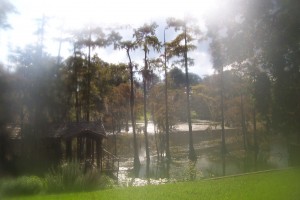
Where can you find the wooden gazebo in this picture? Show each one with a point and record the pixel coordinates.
(83, 142)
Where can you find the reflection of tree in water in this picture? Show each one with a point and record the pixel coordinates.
(209, 163)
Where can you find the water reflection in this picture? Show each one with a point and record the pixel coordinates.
(209, 163)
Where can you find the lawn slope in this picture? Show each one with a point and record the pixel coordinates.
(273, 185)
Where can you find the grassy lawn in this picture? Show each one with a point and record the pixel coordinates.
(268, 185)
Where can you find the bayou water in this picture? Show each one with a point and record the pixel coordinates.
(272, 154)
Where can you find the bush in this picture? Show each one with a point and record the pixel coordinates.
(71, 177)
(25, 185)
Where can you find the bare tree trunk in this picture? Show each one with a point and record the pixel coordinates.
(114, 133)
(127, 121)
(40, 33)
(244, 130)
(256, 148)
(145, 109)
(58, 54)
(255, 137)
(88, 140)
(192, 154)
(155, 133)
(156, 145)
(223, 148)
(88, 80)
(76, 87)
(168, 155)
(136, 159)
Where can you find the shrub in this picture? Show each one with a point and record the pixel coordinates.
(25, 185)
(64, 178)
(106, 182)
(71, 177)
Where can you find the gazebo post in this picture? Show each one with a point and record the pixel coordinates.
(98, 153)
(88, 147)
(79, 148)
(93, 150)
(69, 149)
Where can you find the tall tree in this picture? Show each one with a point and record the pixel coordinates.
(75, 73)
(131, 46)
(180, 46)
(5, 8)
(40, 33)
(282, 52)
(5, 118)
(91, 38)
(238, 38)
(217, 59)
(168, 154)
(146, 38)
(38, 87)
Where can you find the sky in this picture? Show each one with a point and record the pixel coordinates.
(65, 15)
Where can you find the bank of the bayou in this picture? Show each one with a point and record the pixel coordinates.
(278, 184)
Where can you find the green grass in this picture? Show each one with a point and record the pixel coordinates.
(274, 185)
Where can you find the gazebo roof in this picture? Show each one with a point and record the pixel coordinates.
(76, 129)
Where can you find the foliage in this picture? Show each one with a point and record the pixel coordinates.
(24, 185)
(146, 38)
(72, 177)
(260, 39)
(177, 78)
(179, 47)
(203, 103)
(129, 46)
(5, 118)
(191, 172)
(37, 88)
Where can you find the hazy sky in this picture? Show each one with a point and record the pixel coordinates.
(69, 14)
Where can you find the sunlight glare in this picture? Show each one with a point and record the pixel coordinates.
(77, 13)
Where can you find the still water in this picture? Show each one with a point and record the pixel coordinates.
(273, 155)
